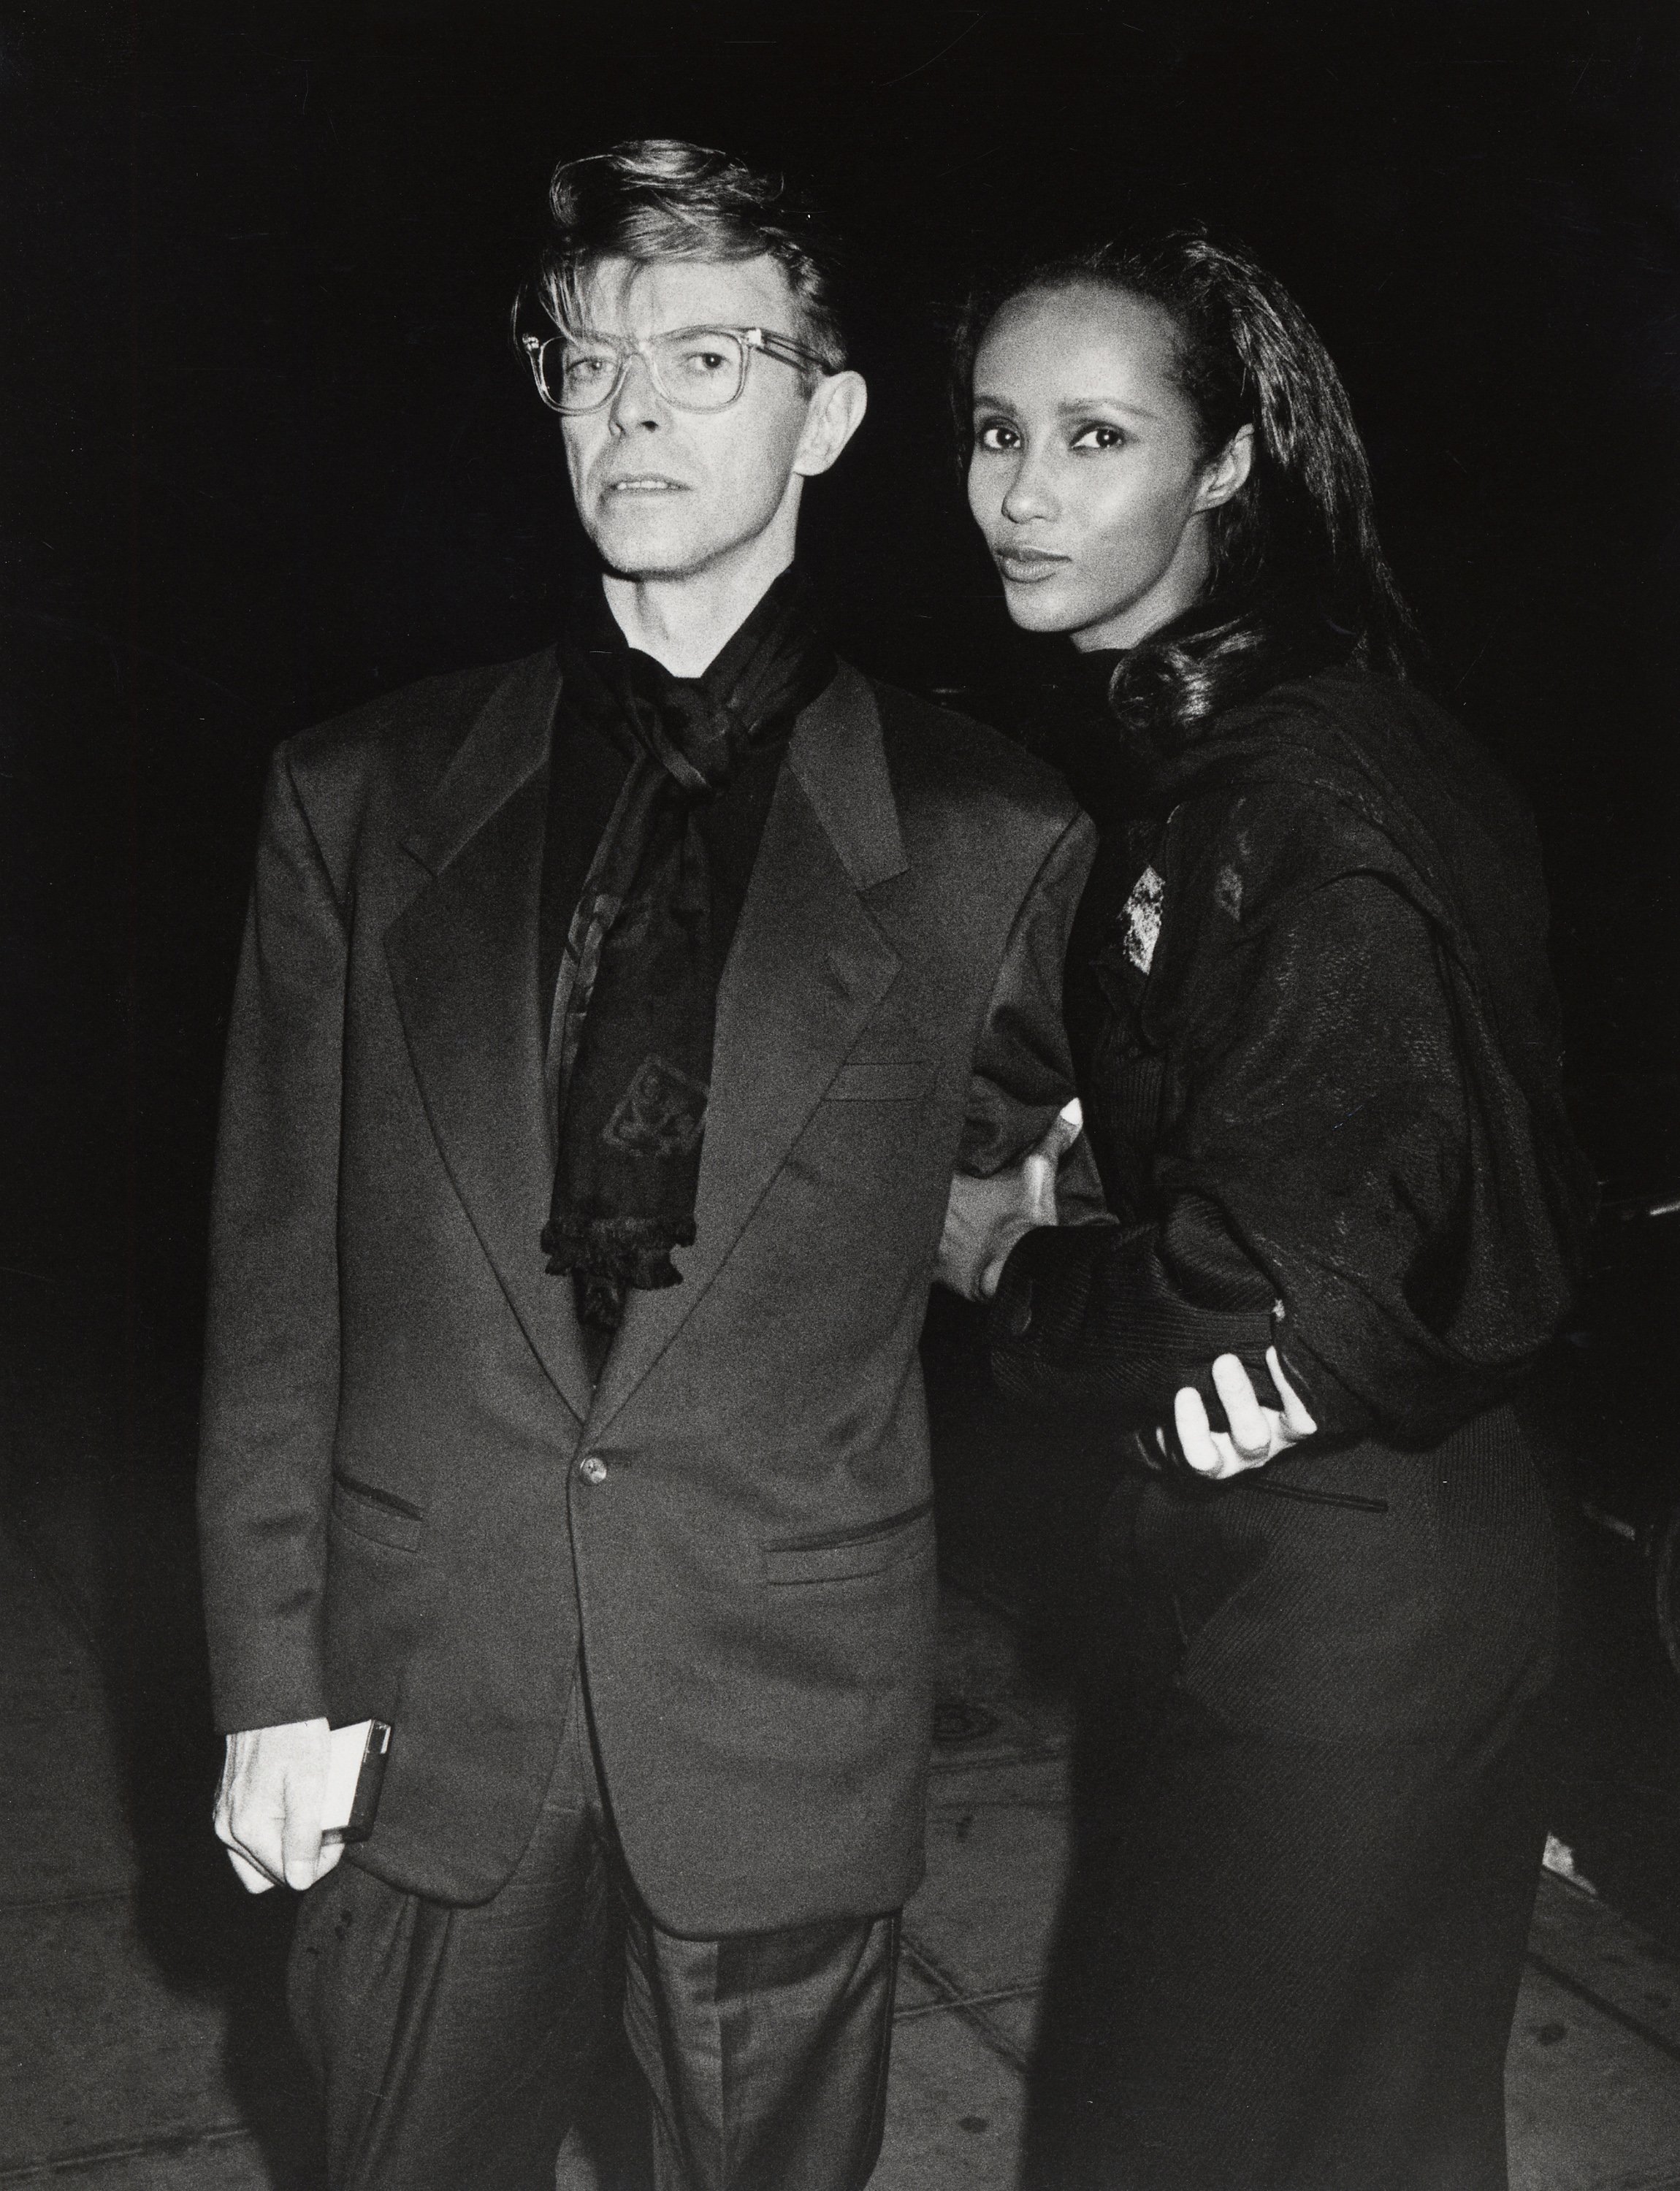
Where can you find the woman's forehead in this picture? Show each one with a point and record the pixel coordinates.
(1076, 342)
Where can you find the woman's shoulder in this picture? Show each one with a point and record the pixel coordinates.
(1326, 710)
(1347, 771)
(1294, 771)
(1255, 845)
(1361, 733)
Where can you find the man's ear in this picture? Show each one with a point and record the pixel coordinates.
(1225, 477)
(834, 415)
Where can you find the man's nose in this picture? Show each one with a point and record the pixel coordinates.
(1030, 493)
(637, 400)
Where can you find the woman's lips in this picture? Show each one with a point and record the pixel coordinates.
(1028, 566)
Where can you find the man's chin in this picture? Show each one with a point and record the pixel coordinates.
(638, 543)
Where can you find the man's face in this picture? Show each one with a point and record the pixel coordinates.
(666, 493)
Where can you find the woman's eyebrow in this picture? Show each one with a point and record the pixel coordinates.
(1071, 405)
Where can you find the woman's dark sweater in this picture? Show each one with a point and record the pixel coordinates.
(1317, 1052)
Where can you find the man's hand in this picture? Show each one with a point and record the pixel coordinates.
(268, 1807)
(1256, 1434)
(985, 1217)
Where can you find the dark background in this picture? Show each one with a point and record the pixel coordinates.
(266, 450)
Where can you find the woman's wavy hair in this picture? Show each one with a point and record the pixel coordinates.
(1297, 579)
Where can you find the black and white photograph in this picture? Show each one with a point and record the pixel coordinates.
(840, 1241)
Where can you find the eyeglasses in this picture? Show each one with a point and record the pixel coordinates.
(693, 369)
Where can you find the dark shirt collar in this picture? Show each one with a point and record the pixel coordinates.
(602, 636)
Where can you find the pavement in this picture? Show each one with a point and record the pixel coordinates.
(142, 2045)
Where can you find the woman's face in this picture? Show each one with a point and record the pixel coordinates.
(1087, 477)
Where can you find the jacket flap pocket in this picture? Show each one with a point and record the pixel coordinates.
(380, 1515)
(841, 1554)
(882, 1079)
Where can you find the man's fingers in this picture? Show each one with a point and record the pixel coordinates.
(1038, 1181)
(268, 1808)
(253, 1842)
(1063, 1130)
(1298, 1420)
(252, 1880)
(252, 1875)
(300, 1836)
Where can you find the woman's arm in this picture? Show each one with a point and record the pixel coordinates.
(1311, 1192)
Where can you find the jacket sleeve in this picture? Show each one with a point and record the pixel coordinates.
(1309, 1192)
(1023, 1072)
(271, 1357)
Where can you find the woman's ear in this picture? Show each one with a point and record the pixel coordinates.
(1224, 477)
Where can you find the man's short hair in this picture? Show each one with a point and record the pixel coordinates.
(658, 197)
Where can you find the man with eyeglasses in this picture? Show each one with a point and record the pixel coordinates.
(608, 1029)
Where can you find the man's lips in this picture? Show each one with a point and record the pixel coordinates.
(1028, 566)
(643, 483)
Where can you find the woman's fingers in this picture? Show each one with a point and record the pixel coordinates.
(1257, 1434)
(1195, 1437)
(1251, 1433)
(1297, 1421)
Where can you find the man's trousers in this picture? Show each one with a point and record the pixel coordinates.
(456, 2046)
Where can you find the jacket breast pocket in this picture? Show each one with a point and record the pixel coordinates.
(840, 1554)
(378, 1515)
(883, 1080)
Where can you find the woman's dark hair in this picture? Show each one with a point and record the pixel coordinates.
(658, 198)
(1297, 579)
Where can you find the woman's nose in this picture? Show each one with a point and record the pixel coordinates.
(636, 401)
(1029, 494)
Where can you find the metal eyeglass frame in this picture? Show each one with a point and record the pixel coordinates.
(765, 341)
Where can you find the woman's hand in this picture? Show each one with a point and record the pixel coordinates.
(1257, 1434)
(985, 1217)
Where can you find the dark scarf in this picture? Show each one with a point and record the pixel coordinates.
(636, 1000)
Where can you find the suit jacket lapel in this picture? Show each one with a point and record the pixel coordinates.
(808, 967)
(463, 960)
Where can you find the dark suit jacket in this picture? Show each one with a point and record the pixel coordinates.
(394, 1517)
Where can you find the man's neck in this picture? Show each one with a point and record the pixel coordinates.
(685, 623)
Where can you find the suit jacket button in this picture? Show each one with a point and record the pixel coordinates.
(592, 1468)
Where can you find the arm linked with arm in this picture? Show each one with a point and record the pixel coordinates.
(1023, 1072)
(1319, 1162)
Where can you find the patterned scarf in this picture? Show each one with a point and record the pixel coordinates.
(636, 1001)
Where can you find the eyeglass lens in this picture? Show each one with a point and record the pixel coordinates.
(696, 369)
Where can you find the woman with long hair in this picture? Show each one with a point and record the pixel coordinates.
(1317, 1058)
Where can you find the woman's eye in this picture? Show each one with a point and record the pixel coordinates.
(1099, 437)
(992, 434)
